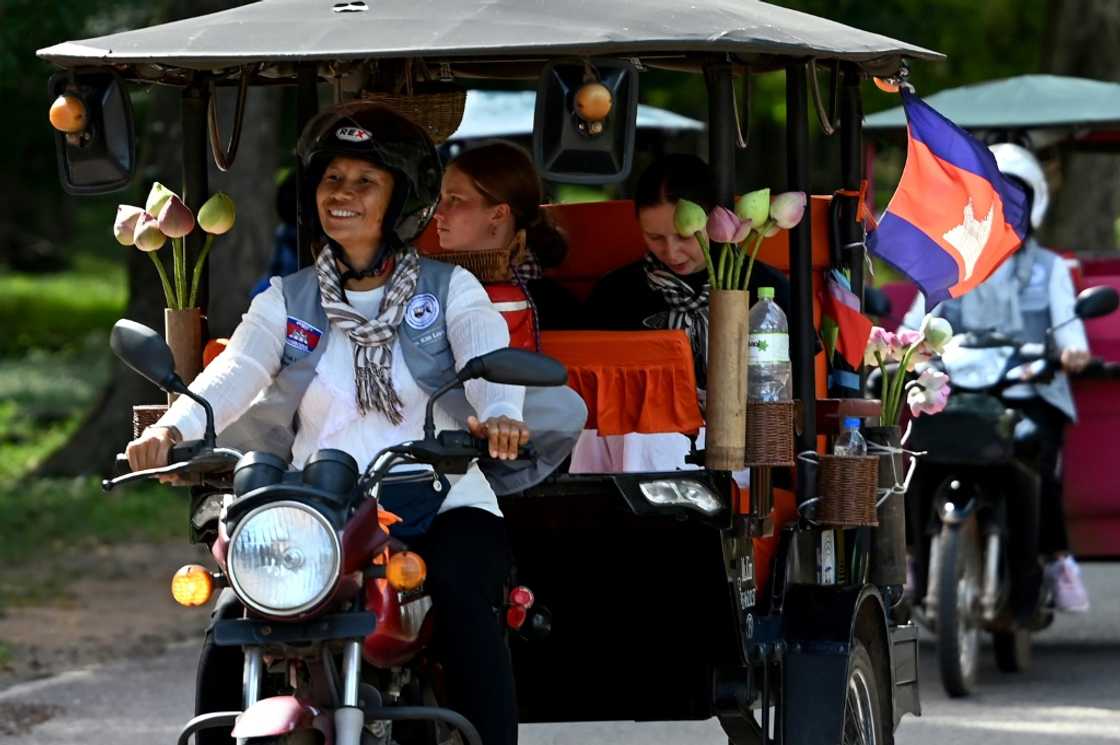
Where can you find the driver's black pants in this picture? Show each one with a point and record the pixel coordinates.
(468, 557)
(1051, 423)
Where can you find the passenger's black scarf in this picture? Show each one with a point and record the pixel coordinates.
(688, 310)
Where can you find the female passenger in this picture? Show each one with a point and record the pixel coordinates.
(490, 202)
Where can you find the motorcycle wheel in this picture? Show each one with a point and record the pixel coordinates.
(863, 711)
(958, 612)
(1013, 650)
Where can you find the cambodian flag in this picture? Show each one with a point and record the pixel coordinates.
(954, 218)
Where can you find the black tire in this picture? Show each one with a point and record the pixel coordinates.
(958, 593)
(863, 708)
(1013, 650)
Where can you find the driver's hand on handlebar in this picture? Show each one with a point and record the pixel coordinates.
(1075, 360)
(151, 449)
(506, 435)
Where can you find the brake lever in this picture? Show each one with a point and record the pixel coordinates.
(190, 458)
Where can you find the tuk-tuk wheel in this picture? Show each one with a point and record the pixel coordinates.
(863, 708)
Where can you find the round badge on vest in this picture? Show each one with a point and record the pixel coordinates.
(422, 311)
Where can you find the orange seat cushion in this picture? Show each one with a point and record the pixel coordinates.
(632, 381)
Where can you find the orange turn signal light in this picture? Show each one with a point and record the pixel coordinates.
(192, 586)
(406, 571)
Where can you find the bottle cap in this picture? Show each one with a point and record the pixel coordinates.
(765, 293)
(850, 422)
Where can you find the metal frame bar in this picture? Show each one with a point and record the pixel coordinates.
(722, 133)
(196, 188)
(802, 333)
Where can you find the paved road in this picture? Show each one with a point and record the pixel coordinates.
(1072, 695)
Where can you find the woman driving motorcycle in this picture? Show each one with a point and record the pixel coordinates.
(1029, 294)
(394, 322)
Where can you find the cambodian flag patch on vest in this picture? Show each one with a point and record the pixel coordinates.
(954, 217)
(302, 335)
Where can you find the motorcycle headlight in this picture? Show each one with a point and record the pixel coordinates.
(284, 558)
(681, 493)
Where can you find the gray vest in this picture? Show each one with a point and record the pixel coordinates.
(1033, 279)
(555, 416)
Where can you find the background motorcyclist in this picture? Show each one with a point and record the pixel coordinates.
(1029, 294)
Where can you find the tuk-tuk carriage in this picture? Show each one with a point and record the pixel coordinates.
(749, 607)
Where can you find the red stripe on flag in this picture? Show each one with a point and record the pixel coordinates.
(933, 195)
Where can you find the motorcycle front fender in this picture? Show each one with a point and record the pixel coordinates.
(272, 717)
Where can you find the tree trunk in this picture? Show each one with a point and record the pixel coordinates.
(1084, 41)
(238, 258)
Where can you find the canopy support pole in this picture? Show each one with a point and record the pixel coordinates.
(307, 106)
(802, 334)
(722, 132)
(847, 239)
(196, 157)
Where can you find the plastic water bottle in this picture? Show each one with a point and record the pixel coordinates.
(850, 442)
(769, 376)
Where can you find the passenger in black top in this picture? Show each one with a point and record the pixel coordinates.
(668, 289)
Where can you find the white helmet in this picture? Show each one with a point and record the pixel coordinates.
(1017, 161)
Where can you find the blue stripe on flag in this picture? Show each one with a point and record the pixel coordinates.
(913, 253)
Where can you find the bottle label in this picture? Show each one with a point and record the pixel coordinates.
(765, 348)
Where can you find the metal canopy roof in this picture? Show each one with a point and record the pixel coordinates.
(510, 114)
(292, 31)
(1022, 102)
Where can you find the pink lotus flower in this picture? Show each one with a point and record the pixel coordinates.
(929, 393)
(148, 236)
(724, 226)
(124, 227)
(175, 218)
(882, 343)
(787, 208)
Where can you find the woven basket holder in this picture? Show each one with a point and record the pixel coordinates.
(145, 416)
(770, 430)
(439, 113)
(847, 486)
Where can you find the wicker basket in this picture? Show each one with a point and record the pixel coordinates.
(438, 111)
(770, 429)
(847, 487)
(489, 266)
(145, 416)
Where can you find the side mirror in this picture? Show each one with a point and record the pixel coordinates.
(515, 367)
(147, 354)
(1095, 302)
(586, 120)
(95, 140)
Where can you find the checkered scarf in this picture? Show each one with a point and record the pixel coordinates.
(372, 338)
(688, 310)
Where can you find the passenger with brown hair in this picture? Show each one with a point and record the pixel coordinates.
(490, 221)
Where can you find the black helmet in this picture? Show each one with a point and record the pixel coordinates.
(360, 129)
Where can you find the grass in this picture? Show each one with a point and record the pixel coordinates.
(56, 311)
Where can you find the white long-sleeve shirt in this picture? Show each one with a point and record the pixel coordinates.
(328, 414)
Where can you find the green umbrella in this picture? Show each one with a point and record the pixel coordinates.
(1025, 102)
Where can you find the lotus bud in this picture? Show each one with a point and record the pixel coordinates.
(124, 227)
(175, 219)
(148, 236)
(218, 214)
(881, 343)
(754, 207)
(689, 218)
(725, 227)
(788, 208)
(770, 229)
(156, 198)
(937, 332)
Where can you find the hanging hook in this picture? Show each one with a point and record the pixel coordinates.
(829, 124)
(225, 154)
